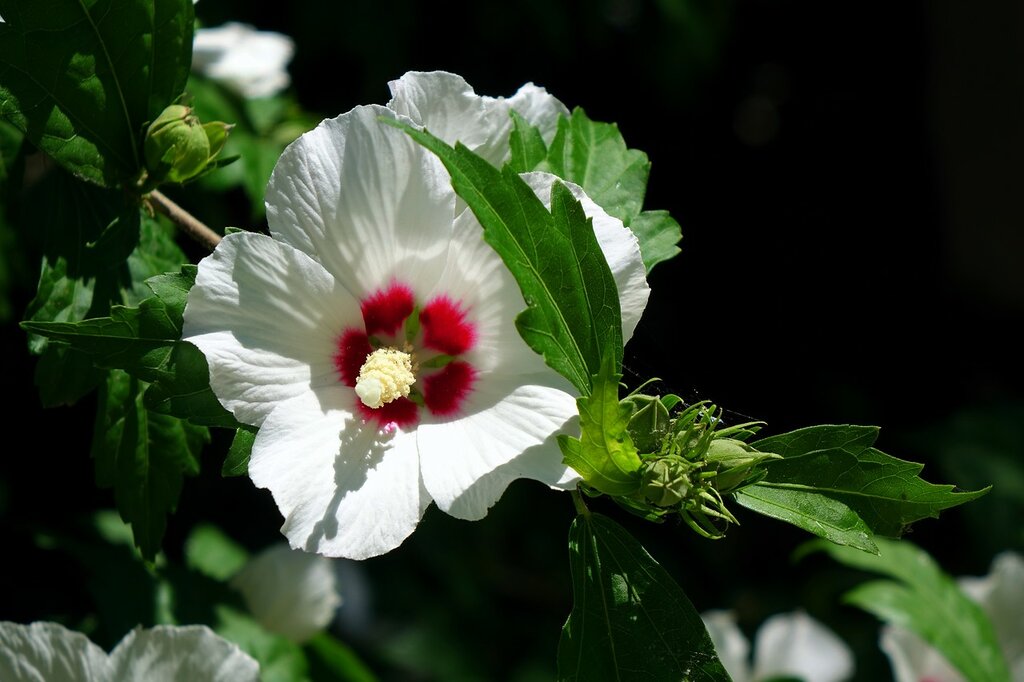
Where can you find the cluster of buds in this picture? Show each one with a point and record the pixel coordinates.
(689, 462)
(178, 147)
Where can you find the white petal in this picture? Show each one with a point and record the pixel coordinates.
(366, 201)
(1001, 595)
(913, 659)
(539, 108)
(290, 592)
(48, 652)
(620, 246)
(168, 654)
(508, 432)
(446, 105)
(731, 645)
(795, 644)
(250, 62)
(344, 488)
(268, 318)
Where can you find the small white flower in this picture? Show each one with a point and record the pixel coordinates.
(786, 645)
(49, 651)
(370, 250)
(1000, 594)
(252, 63)
(290, 592)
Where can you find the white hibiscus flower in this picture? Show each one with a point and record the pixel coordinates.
(290, 592)
(371, 337)
(49, 651)
(787, 645)
(1000, 594)
(250, 62)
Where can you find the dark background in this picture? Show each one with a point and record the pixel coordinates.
(848, 179)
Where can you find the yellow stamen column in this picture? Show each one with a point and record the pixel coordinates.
(386, 375)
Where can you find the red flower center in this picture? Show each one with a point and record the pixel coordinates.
(444, 381)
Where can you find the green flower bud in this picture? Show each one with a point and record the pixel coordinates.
(665, 482)
(649, 422)
(178, 147)
(736, 462)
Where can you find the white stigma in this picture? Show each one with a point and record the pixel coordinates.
(386, 375)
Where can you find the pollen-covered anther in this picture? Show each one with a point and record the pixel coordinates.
(386, 375)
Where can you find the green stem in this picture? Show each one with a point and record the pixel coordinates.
(577, 500)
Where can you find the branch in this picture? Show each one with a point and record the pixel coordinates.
(185, 221)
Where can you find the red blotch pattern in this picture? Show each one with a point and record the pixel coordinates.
(445, 391)
(402, 412)
(445, 327)
(384, 311)
(353, 347)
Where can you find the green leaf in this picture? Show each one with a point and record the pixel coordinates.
(59, 298)
(280, 660)
(838, 462)
(658, 234)
(156, 254)
(604, 455)
(527, 146)
(137, 340)
(144, 457)
(145, 342)
(629, 620)
(212, 553)
(823, 516)
(572, 312)
(183, 390)
(330, 659)
(594, 156)
(92, 228)
(814, 440)
(83, 77)
(64, 376)
(10, 149)
(237, 461)
(923, 599)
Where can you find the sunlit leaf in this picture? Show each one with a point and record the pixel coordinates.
(237, 461)
(815, 513)
(839, 463)
(595, 156)
(604, 455)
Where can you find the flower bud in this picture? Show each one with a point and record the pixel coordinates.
(649, 422)
(665, 482)
(178, 147)
(735, 462)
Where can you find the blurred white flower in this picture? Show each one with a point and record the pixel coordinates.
(51, 652)
(250, 62)
(289, 592)
(1000, 594)
(786, 645)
